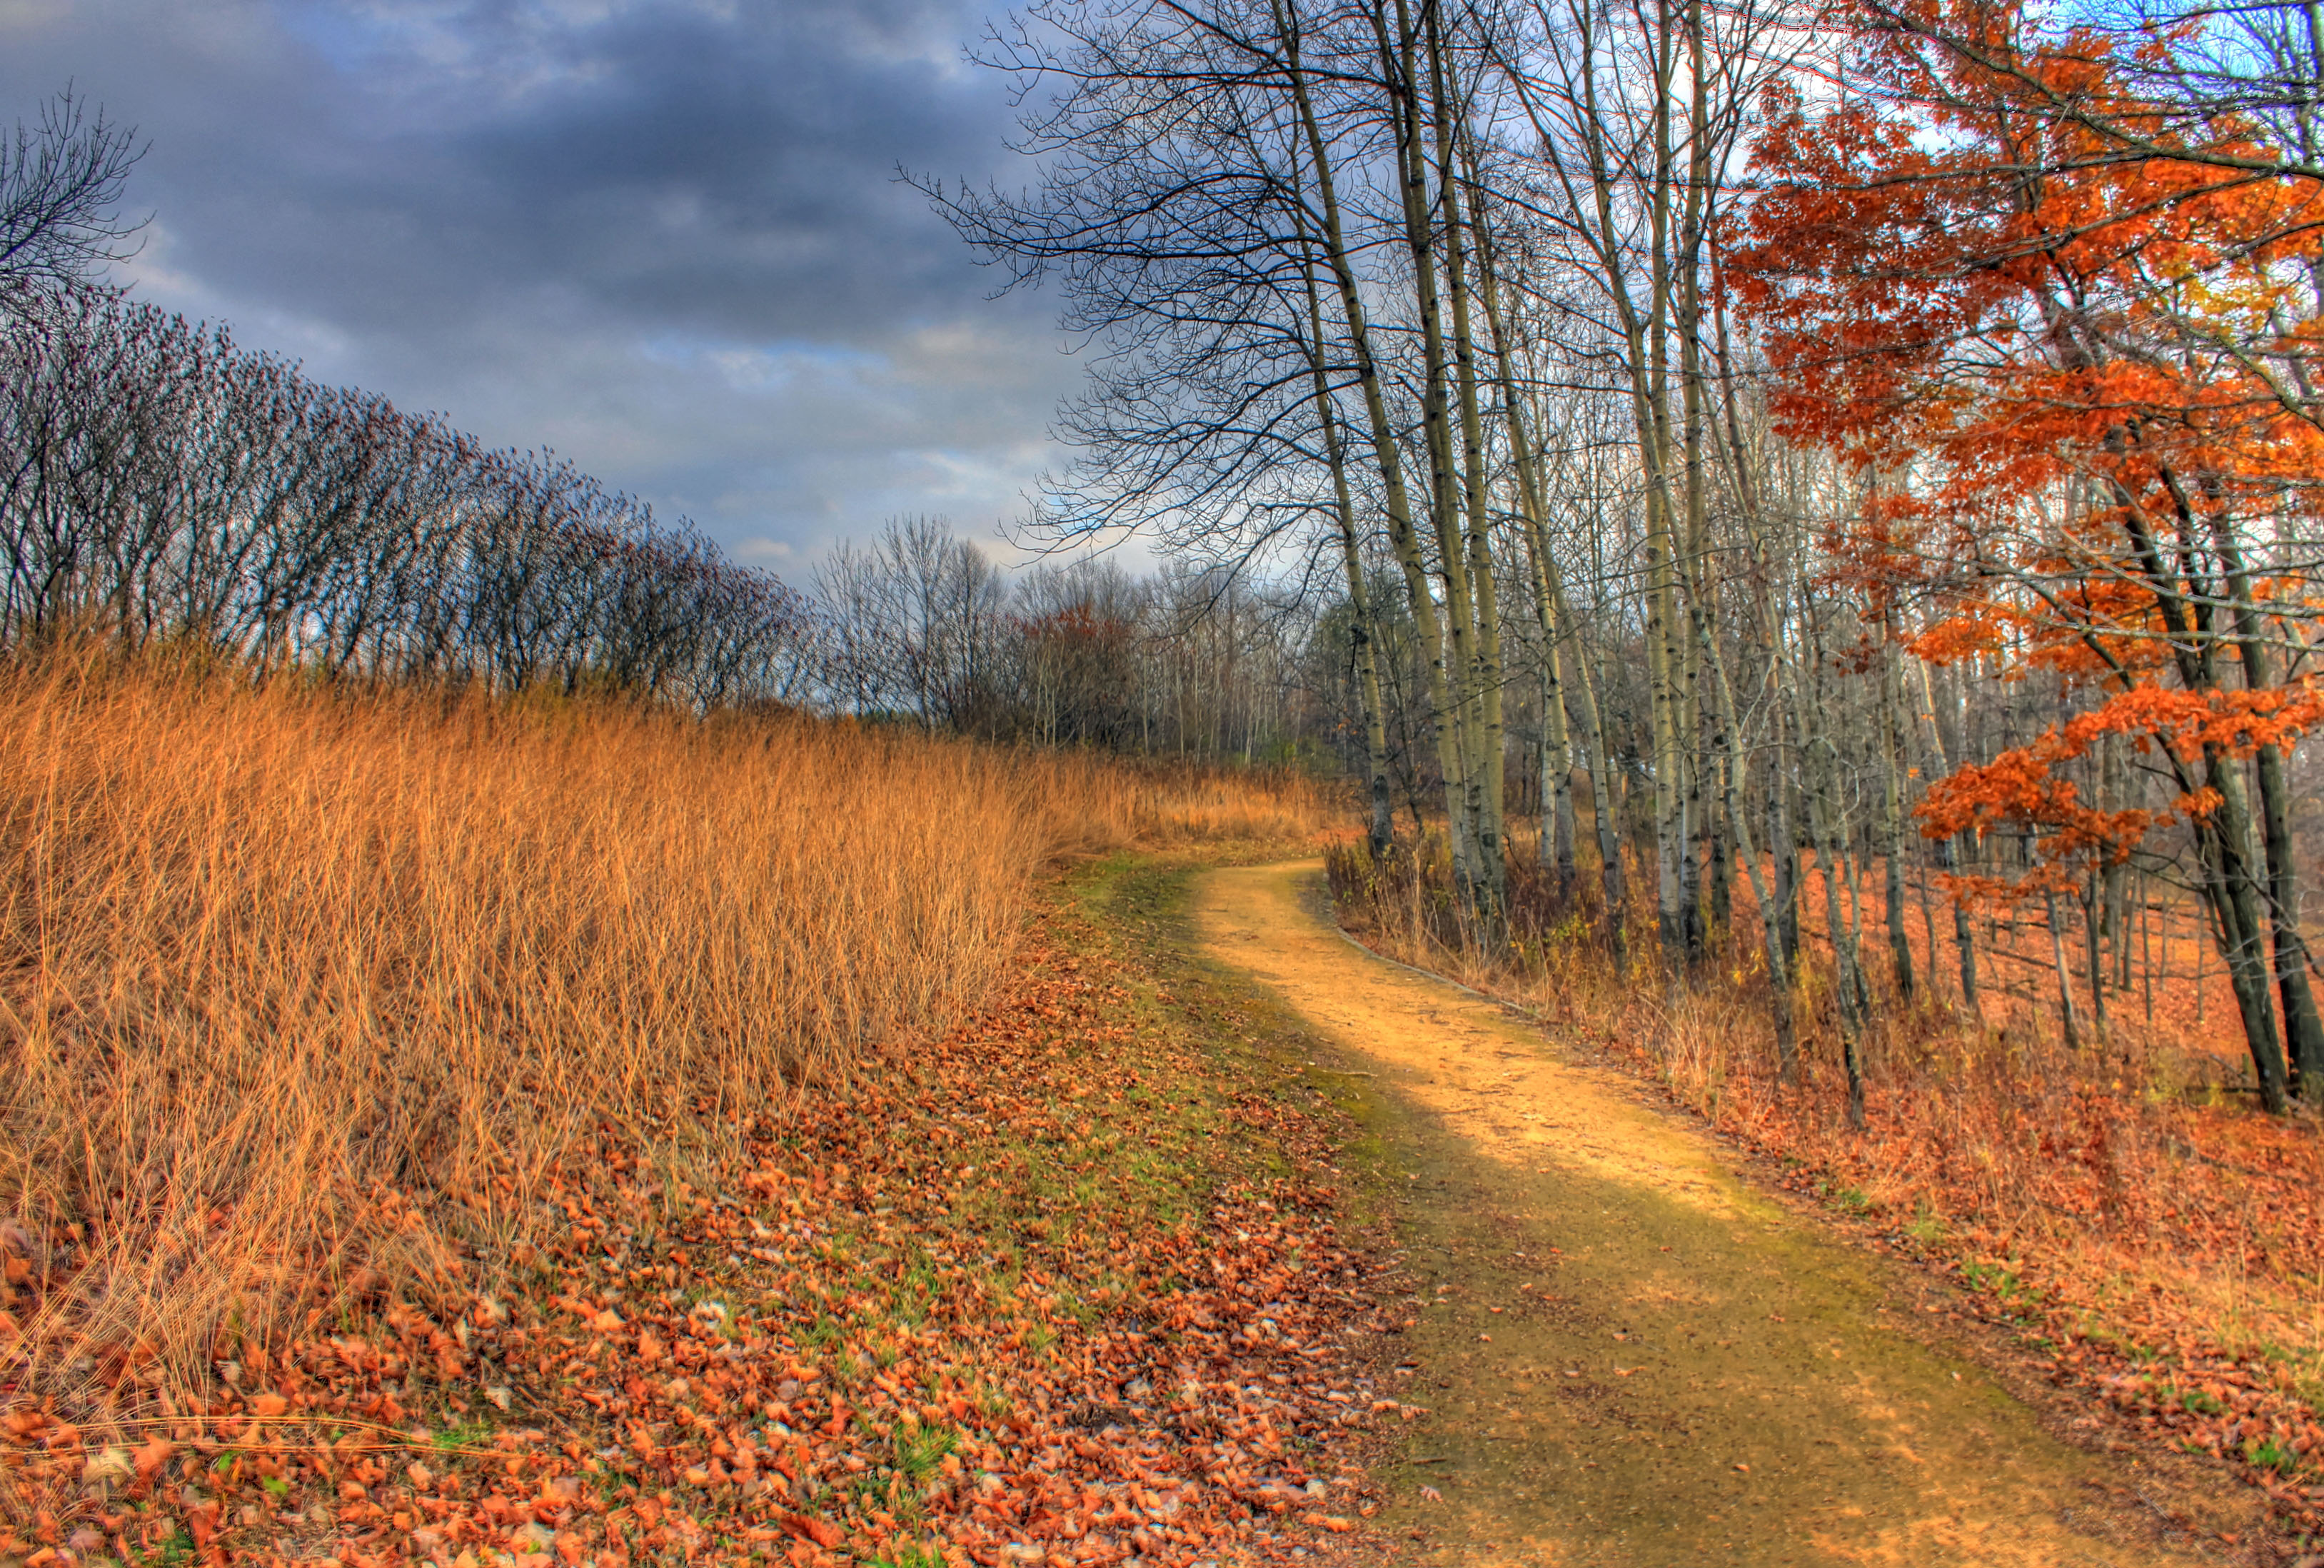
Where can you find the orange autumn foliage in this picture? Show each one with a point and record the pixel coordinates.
(1948, 272)
(2062, 366)
(2020, 788)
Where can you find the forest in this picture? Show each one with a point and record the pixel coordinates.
(1779, 542)
(1883, 440)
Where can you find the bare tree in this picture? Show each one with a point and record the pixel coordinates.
(62, 177)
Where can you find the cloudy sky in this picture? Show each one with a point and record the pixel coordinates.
(661, 237)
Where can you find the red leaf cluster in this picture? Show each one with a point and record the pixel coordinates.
(2021, 790)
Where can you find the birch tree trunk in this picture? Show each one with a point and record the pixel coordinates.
(1478, 545)
(1893, 757)
(1381, 835)
(1558, 626)
(1404, 541)
(2304, 1031)
(1771, 919)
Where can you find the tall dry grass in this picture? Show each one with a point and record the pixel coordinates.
(302, 993)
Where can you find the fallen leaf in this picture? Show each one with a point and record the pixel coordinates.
(822, 1532)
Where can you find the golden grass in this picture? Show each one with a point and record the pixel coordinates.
(302, 994)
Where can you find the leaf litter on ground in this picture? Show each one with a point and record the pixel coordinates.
(1065, 1285)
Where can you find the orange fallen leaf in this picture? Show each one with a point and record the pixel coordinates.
(822, 1532)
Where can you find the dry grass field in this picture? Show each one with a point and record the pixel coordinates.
(305, 995)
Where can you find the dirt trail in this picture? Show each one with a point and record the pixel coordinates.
(1682, 1370)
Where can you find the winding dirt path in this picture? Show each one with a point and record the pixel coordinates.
(1630, 1356)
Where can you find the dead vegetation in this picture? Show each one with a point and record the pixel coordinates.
(2142, 1231)
(1071, 1278)
(305, 993)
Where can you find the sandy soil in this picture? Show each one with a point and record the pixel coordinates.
(1634, 1357)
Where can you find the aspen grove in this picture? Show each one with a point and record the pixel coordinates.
(1847, 468)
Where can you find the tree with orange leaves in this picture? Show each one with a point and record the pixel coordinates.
(2067, 314)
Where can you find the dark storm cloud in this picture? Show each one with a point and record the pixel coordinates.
(663, 237)
(733, 173)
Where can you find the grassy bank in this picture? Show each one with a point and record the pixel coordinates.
(1075, 1277)
(307, 998)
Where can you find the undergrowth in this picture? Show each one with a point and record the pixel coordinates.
(1073, 1278)
(307, 993)
(2144, 1234)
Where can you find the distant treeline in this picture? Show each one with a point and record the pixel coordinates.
(165, 487)
(918, 622)
(169, 488)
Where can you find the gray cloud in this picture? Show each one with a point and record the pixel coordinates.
(662, 237)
